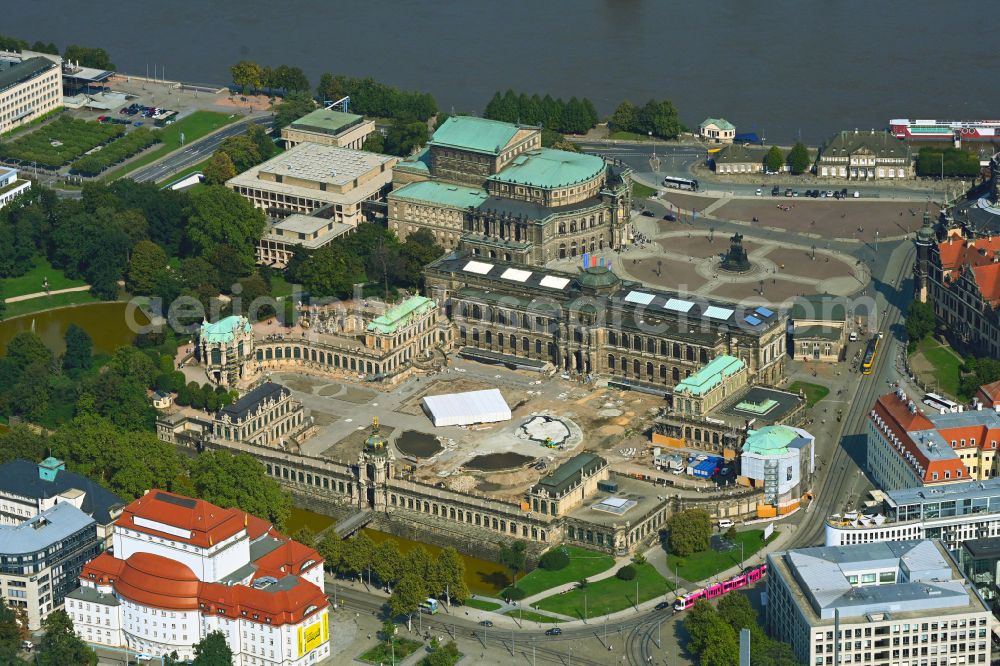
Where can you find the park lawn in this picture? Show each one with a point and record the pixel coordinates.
(480, 604)
(947, 365)
(280, 286)
(707, 563)
(531, 616)
(195, 126)
(382, 653)
(813, 392)
(31, 282)
(583, 563)
(47, 303)
(640, 191)
(608, 595)
(627, 136)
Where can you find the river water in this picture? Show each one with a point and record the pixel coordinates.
(782, 67)
(106, 323)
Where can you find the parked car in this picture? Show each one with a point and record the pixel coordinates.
(670, 217)
(554, 631)
(486, 623)
(648, 213)
(788, 192)
(857, 195)
(853, 336)
(725, 523)
(759, 192)
(843, 192)
(829, 193)
(775, 191)
(795, 193)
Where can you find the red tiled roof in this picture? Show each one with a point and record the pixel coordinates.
(901, 421)
(988, 281)
(291, 557)
(158, 582)
(990, 394)
(283, 607)
(208, 524)
(958, 252)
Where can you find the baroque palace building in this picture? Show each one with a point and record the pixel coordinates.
(490, 188)
(594, 323)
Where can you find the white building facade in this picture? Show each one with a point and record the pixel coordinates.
(183, 568)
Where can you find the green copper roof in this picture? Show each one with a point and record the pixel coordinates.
(224, 330)
(710, 376)
(597, 277)
(419, 162)
(476, 134)
(400, 315)
(441, 194)
(721, 123)
(770, 440)
(326, 121)
(548, 168)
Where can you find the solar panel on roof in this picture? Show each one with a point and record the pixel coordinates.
(477, 267)
(553, 282)
(715, 312)
(753, 321)
(764, 312)
(677, 305)
(639, 297)
(516, 275)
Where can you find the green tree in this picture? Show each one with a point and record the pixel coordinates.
(690, 532)
(387, 562)
(626, 572)
(3, 302)
(443, 655)
(513, 557)
(420, 249)
(223, 217)
(451, 575)
(332, 548)
(27, 348)
(20, 441)
(240, 481)
(374, 143)
(737, 612)
(660, 118)
(625, 118)
(134, 364)
(331, 271)
(219, 169)
(79, 350)
(305, 536)
(774, 160)
(30, 396)
(89, 57)
(798, 158)
(60, 646)
(920, 320)
(293, 107)
(213, 650)
(243, 152)
(11, 635)
(405, 136)
(145, 266)
(246, 75)
(407, 596)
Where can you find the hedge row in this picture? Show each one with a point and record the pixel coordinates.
(116, 152)
(75, 137)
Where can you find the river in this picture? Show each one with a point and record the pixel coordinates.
(482, 576)
(780, 67)
(104, 322)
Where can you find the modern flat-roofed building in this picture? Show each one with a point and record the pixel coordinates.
(328, 128)
(28, 488)
(908, 448)
(183, 568)
(490, 188)
(310, 176)
(28, 89)
(275, 249)
(41, 559)
(952, 513)
(876, 604)
(980, 561)
(11, 185)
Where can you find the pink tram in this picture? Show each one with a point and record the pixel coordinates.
(748, 577)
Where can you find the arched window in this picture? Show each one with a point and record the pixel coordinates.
(703, 356)
(538, 346)
(649, 370)
(663, 372)
(488, 337)
(651, 345)
(677, 350)
(525, 344)
(500, 340)
(611, 361)
(625, 340)
(635, 368)
(637, 343)
(689, 353)
(477, 312)
(675, 374)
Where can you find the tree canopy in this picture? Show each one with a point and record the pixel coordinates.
(60, 646)
(513, 556)
(89, 57)
(657, 117)
(920, 321)
(213, 650)
(774, 160)
(372, 98)
(240, 481)
(799, 160)
(690, 531)
(222, 217)
(576, 116)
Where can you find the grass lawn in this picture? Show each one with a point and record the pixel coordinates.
(280, 286)
(947, 365)
(482, 605)
(627, 136)
(640, 191)
(47, 303)
(608, 595)
(709, 562)
(813, 392)
(383, 653)
(531, 616)
(195, 126)
(582, 564)
(31, 281)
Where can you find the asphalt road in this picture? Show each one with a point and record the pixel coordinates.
(197, 151)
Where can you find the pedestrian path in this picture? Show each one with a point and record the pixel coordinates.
(40, 294)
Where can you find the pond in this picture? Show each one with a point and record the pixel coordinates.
(482, 576)
(417, 444)
(106, 323)
(495, 462)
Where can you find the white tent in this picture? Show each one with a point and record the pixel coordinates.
(466, 408)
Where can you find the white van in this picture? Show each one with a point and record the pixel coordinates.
(725, 523)
(854, 336)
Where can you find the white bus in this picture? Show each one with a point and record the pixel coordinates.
(939, 403)
(681, 183)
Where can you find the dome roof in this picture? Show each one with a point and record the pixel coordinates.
(154, 580)
(598, 277)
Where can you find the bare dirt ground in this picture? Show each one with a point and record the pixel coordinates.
(829, 219)
(798, 261)
(667, 272)
(349, 447)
